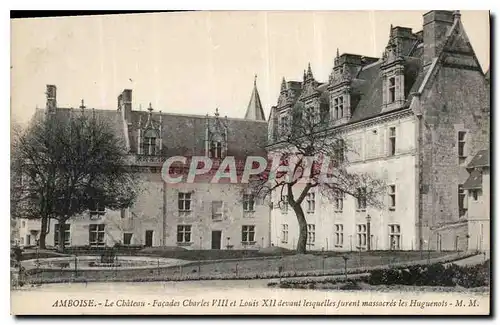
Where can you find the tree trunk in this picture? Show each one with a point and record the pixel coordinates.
(61, 236)
(43, 233)
(302, 242)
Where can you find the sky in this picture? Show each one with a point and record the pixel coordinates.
(195, 62)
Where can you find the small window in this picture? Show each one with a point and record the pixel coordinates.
(339, 201)
(462, 138)
(462, 209)
(248, 234)
(66, 234)
(311, 234)
(392, 197)
(339, 151)
(216, 149)
(339, 235)
(248, 203)
(284, 204)
(184, 201)
(284, 233)
(392, 141)
(184, 234)
(361, 235)
(395, 237)
(311, 202)
(127, 238)
(475, 195)
(392, 90)
(361, 198)
(96, 235)
(96, 209)
(217, 210)
(339, 107)
(284, 125)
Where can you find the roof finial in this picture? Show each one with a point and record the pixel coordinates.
(338, 53)
(309, 71)
(216, 112)
(150, 108)
(255, 80)
(82, 106)
(283, 84)
(456, 15)
(390, 33)
(305, 76)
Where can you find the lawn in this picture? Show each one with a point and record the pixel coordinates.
(252, 268)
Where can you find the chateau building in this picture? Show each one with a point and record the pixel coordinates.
(198, 215)
(418, 118)
(414, 118)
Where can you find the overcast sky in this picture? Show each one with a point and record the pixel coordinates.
(197, 61)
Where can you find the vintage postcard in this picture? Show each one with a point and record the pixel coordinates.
(260, 162)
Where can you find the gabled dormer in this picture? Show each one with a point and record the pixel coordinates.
(149, 140)
(345, 69)
(216, 136)
(401, 40)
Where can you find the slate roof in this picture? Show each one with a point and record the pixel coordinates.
(481, 159)
(254, 109)
(185, 134)
(474, 181)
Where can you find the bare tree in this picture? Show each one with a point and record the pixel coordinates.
(70, 163)
(313, 155)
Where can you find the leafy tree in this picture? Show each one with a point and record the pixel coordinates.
(288, 183)
(69, 163)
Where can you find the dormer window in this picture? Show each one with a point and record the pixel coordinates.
(392, 90)
(149, 143)
(216, 149)
(339, 107)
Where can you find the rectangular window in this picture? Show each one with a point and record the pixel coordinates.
(248, 203)
(361, 198)
(462, 155)
(184, 234)
(310, 115)
(361, 235)
(96, 235)
(475, 195)
(338, 152)
(149, 146)
(248, 234)
(462, 209)
(311, 234)
(217, 210)
(392, 141)
(339, 201)
(127, 238)
(395, 237)
(284, 204)
(66, 234)
(284, 233)
(392, 90)
(338, 107)
(339, 235)
(284, 125)
(184, 201)
(215, 149)
(392, 197)
(96, 209)
(311, 202)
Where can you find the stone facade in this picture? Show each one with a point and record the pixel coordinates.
(429, 94)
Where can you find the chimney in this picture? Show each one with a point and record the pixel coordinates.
(436, 25)
(51, 98)
(125, 104)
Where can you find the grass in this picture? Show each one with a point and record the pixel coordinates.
(293, 265)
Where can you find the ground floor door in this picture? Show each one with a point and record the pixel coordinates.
(216, 239)
(149, 238)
